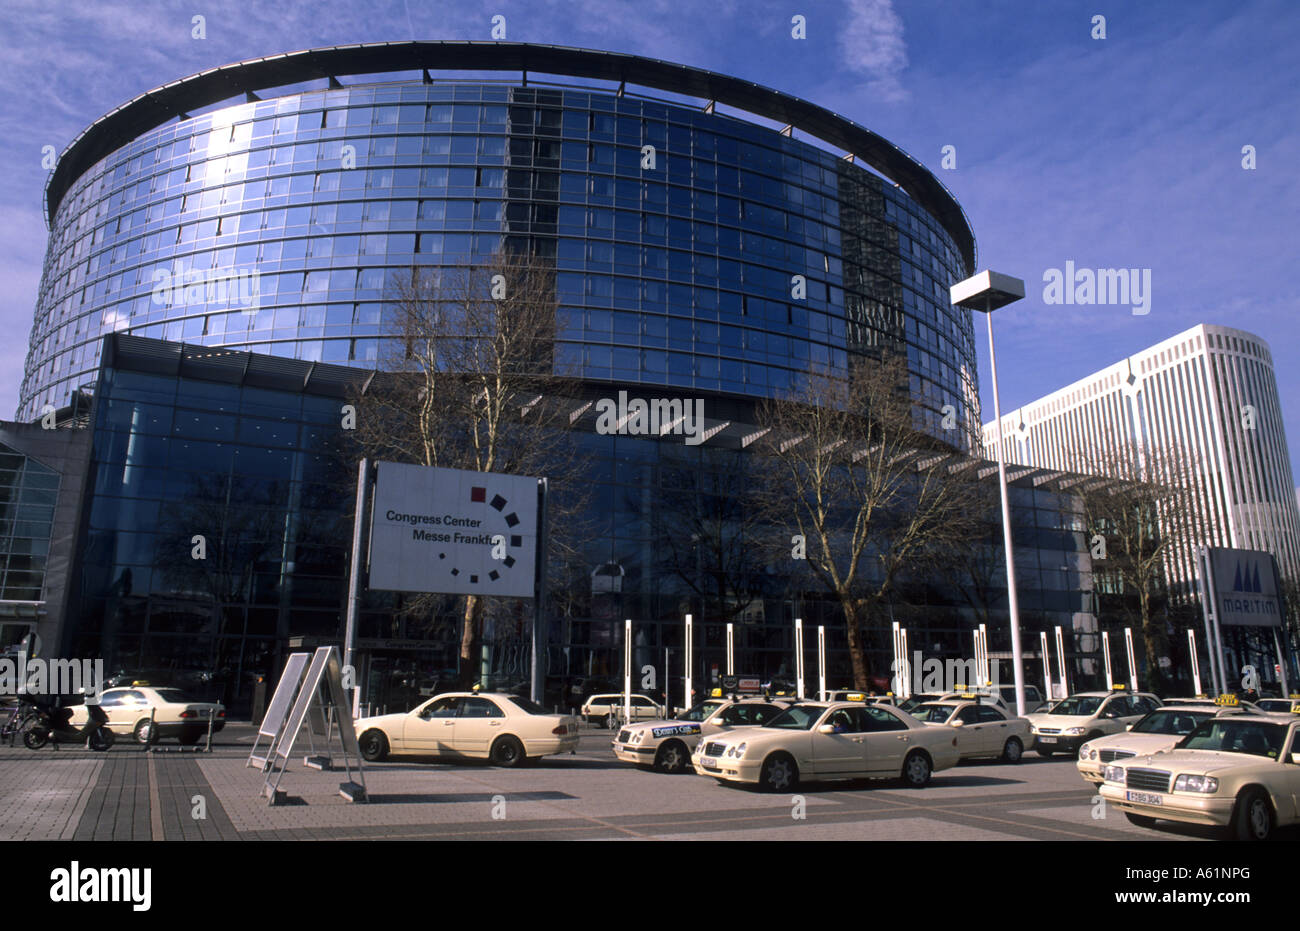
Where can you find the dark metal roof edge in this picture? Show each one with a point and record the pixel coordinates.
(243, 367)
(155, 107)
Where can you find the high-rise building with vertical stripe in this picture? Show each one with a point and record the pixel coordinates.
(1208, 392)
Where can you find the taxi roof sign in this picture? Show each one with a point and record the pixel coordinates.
(1118, 687)
(1227, 701)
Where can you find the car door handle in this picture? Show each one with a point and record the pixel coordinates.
(494, 724)
(901, 737)
(857, 740)
(448, 723)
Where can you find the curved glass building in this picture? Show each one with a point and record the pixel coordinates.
(219, 257)
(693, 249)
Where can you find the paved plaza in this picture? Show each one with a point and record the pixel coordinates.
(128, 794)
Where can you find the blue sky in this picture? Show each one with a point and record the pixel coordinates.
(1122, 152)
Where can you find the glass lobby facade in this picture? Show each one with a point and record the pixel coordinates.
(247, 451)
(682, 274)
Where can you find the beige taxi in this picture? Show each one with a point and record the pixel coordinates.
(1238, 771)
(984, 729)
(825, 741)
(1085, 716)
(666, 745)
(1159, 730)
(175, 714)
(503, 728)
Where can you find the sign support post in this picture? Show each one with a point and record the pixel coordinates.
(541, 633)
(731, 646)
(1105, 651)
(359, 524)
(1207, 608)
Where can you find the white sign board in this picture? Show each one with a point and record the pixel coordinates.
(1246, 587)
(453, 531)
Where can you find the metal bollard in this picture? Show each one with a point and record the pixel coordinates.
(212, 715)
(153, 730)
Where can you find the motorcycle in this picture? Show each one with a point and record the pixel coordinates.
(52, 724)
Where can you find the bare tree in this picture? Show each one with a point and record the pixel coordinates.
(470, 381)
(871, 498)
(1141, 517)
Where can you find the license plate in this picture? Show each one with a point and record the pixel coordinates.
(1145, 798)
(708, 762)
(1047, 740)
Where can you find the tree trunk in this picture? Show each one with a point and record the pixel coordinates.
(1153, 641)
(471, 641)
(857, 653)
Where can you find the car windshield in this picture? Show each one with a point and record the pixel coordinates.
(935, 714)
(797, 717)
(1078, 706)
(700, 711)
(1257, 738)
(1171, 721)
(174, 695)
(527, 704)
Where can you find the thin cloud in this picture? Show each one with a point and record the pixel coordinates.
(872, 45)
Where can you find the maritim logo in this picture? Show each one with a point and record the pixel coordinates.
(1099, 286)
(656, 417)
(79, 883)
(1248, 595)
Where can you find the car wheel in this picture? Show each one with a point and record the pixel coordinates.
(506, 751)
(1252, 819)
(916, 770)
(141, 731)
(673, 757)
(779, 773)
(1012, 750)
(1141, 821)
(374, 746)
(35, 737)
(607, 722)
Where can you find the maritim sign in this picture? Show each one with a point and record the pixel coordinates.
(453, 531)
(1245, 587)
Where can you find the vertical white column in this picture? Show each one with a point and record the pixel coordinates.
(1060, 661)
(896, 682)
(627, 670)
(798, 656)
(690, 659)
(907, 663)
(821, 663)
(1105, 650)
(1132, 666)
(1196, 661)
(731, 648)
(1047, 667)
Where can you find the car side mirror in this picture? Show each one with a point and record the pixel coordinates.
(1295, 758)
(1128, 727)
(959, 723)
(826, 729)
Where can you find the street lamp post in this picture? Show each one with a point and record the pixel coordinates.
(986, 292)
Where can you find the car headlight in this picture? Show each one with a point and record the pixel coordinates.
(638, 737)
(1075, 731)
(737, 750)
(1085, 752)
(1114, 774)
(1189, 782)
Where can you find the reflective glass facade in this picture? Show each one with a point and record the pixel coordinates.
(737, 262)
(28, 492)
(243, 450)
